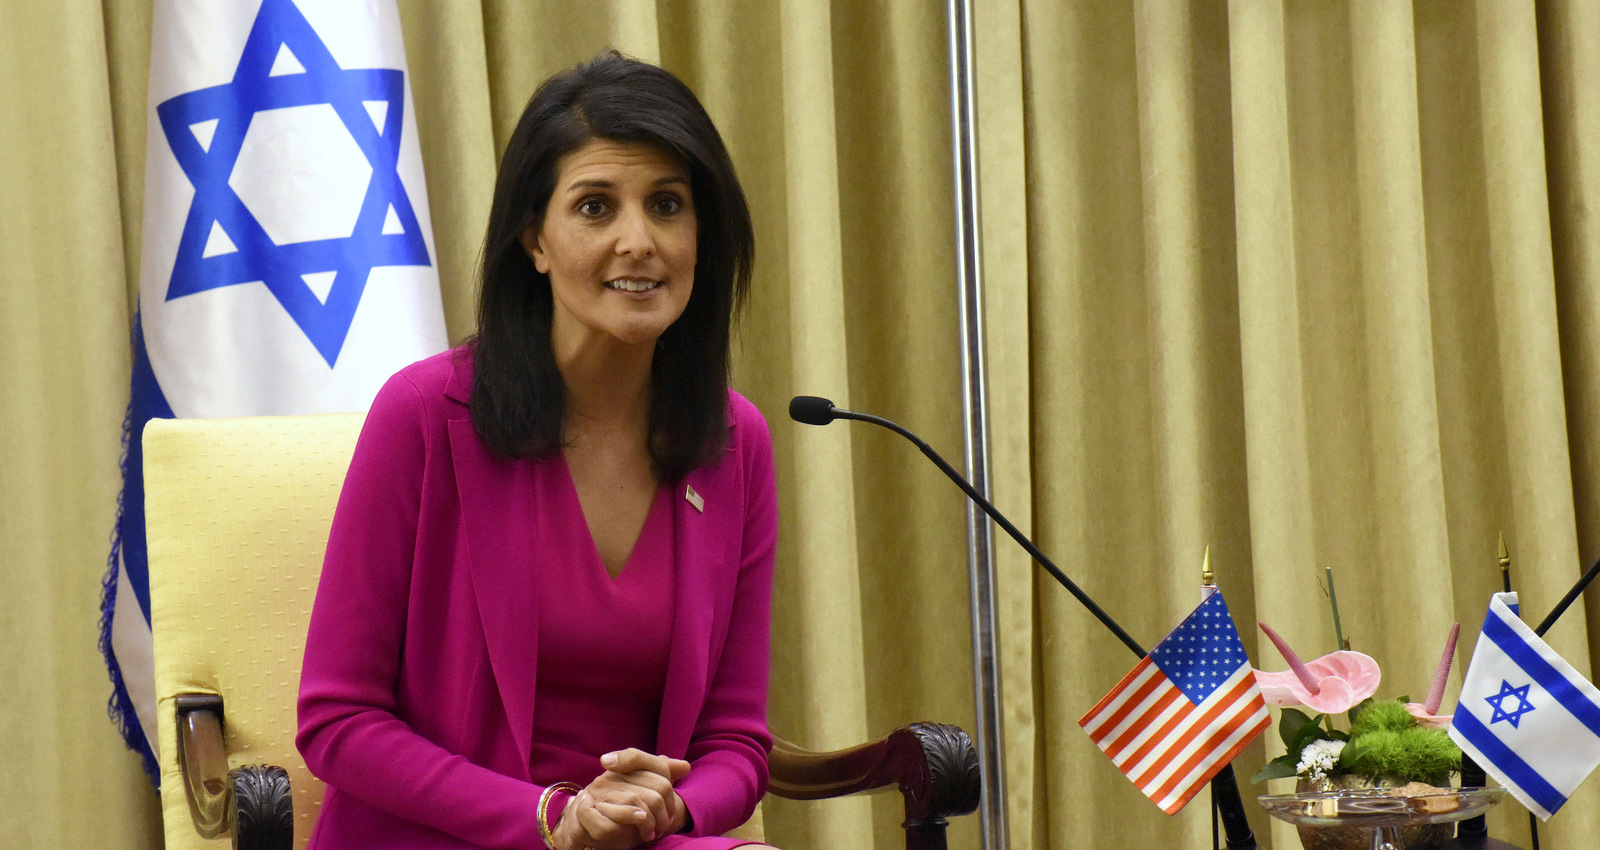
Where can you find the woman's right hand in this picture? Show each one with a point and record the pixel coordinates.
(632, 802)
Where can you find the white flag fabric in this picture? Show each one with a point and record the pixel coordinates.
(1526, 716)
(287, 256)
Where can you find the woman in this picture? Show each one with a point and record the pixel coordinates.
(543, 616)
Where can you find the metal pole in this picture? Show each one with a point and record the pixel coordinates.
(974, 401)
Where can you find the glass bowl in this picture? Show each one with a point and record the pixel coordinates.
(1387, 817)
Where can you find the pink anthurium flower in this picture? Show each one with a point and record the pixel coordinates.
(1427, 713)
(1333, 683)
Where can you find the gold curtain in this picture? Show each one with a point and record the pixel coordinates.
(1312, 283)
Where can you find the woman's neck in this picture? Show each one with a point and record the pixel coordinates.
(608, 389)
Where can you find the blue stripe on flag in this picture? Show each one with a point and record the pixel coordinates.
(215, 356)
(1543, 672)
(1507, 762)
(145, 402)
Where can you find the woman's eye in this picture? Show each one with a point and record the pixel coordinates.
(592, 208)
(668, 205)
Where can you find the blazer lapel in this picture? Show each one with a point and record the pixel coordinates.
(498, 517)
(706, 554)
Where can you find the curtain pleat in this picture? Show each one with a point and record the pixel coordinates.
(64, 359)
(1311, 284)
(1569, 55)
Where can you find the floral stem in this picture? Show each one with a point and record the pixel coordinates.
(1440, 676)
(1333, 601)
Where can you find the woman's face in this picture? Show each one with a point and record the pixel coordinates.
(618, 242)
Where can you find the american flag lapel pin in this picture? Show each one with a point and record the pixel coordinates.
(694, 498)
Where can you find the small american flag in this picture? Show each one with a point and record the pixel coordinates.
(1184, 711)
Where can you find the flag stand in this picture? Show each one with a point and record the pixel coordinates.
(1566, 601)
(1226, 802)
(1477, 829)
(1544, 626)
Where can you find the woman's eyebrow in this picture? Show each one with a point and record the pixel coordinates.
(600, 183)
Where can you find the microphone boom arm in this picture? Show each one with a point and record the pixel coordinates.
(994, 514)
(811, 410)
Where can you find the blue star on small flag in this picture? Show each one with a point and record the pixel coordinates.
(1519, 708)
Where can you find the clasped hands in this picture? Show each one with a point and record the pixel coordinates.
(631, 803)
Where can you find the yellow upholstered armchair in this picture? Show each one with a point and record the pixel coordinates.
(237, 513)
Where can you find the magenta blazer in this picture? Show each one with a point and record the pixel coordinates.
(417, 692)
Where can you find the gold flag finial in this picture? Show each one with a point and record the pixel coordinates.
(1207, 579)
(1505, 564)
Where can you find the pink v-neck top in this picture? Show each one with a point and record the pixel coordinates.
(467, 647)
(603, 641)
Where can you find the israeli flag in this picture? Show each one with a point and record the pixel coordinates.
(287, 261)
(1525, 715)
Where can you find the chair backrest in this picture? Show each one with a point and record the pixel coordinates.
(237, 514)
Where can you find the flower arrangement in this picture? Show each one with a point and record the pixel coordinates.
(1389, 742)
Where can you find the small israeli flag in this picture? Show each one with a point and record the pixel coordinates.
(288, 258)
(1525, 715)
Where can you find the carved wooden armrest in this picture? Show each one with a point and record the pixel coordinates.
(252, 802)
(934, 766)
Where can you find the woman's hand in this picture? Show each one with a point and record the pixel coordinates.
(631, 803)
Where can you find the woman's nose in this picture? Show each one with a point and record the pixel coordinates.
(635, 235)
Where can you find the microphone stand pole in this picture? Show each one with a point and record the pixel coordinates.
(1224, 786)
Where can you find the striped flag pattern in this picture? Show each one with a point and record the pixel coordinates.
(1184, 711)
(1526, 715)
(288, 259)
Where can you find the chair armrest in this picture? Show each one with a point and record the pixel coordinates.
(203, 761)
(935, 766)
(253, 801)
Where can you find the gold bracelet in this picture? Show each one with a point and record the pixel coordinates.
(544, 810)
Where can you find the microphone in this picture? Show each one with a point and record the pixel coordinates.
(811, 410)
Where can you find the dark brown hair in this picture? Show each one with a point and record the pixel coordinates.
(518, 396)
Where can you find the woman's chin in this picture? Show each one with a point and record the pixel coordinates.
(638, 336)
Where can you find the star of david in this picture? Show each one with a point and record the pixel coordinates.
(318, 281)
(1514, 716)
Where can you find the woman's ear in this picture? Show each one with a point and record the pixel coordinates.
(530, 244)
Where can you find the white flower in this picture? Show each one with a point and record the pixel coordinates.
(1318, 758)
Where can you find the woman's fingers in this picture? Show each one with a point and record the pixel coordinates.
(605, 826)
(641, 790)
(612, 826)
(632, 802)
(645, 788)
(585, 826)
(624, 819)
(632, 760)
